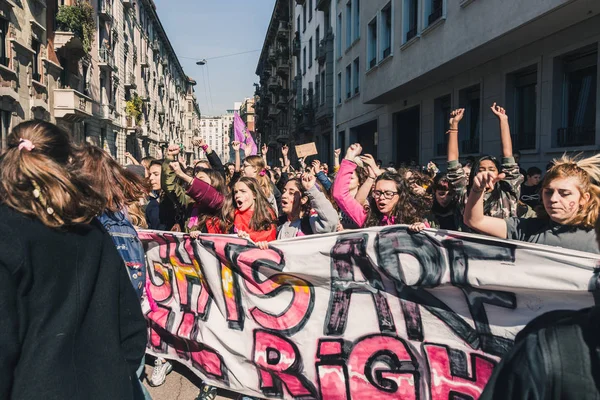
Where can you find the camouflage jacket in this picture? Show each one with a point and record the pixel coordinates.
(504, 206)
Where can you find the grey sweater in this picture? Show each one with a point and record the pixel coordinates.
(323, 219)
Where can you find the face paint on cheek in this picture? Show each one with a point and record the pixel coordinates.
(572, 206)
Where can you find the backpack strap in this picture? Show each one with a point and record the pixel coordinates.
(567, 362)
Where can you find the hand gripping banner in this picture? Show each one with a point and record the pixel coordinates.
(378, 313)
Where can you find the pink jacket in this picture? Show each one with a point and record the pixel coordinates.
(206, 198)
(342, 196)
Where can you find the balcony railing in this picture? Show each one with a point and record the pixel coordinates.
(296, 46)
(373, 62)
(387, 52)
(127, 3)
(71, 105)
(105, 9)
(322, 52)
(435, 15)
(106, 59)
(130, 81)
(441, 149)
(524, 141)
(576, 136)
(283, 31)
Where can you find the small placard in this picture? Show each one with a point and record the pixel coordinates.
(305, 150)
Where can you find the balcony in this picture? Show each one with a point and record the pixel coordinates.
(127, 3)
(273, 111)
(155, 46)
(107, 112)
(576, 136)
(296, 45)
(283, 135)
(272, 55)
(283, 66)
(161, 110)
(524, 141)
(283, 32)
(130, 81)
(282, 99)
(106, 60)
(470, 146)
(325, 112)
(105, 10)
(68, 41)
(274, 84)
(71, 105)
(161, 82)
(145, 61)
(322, 52)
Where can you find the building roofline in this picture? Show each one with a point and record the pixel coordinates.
(272, 26)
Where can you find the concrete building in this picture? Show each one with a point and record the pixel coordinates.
(312, 84)
(120, 86)
(275, 103)
(402, 66)
(211, 130)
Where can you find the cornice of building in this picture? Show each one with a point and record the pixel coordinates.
(271, 32)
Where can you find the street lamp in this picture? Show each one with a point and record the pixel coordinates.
(201, 62)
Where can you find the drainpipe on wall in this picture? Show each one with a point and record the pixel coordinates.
(333, 20)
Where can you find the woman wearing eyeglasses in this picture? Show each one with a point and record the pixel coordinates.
(391, 202)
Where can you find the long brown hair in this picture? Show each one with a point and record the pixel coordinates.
(263, 217)
(39, 181)
(117, 185)
(261, 174)
(587, 172)
(408, 210)
(218, 182)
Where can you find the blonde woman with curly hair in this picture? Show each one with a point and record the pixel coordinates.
(571, 198)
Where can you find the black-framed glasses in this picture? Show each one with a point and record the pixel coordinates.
(388, 194)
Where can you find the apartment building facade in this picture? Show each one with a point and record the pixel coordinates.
(275, 103)
(114, 81)
(403, 65)
(313, 74)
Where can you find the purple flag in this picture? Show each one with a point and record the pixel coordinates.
(242, 135)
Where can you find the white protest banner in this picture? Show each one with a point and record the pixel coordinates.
(378, 313)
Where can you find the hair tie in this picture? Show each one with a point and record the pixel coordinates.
(263, 172)
(26, 144)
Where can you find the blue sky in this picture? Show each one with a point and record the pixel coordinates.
(212, 28)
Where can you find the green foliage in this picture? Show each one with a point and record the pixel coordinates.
(133, 108)
(79, 19)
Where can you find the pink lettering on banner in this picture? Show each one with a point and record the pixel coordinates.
(449, 375)
(160, 318)
(367, 378)
(279, 362)
(297, 313)
(208, 361)
(332, 374)
(160, 292)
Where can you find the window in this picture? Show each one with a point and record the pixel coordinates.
(35, 62)
(386, 31)
(317, 41)
(522, 103)
(5, 127)
(356, 26)
(442, 107)
(190, 106)
(310, 9)
(304, 61)
(310, 52)
(578, 102)
(304, 17)
(470, 100)
(348, 81)
(298, 24)
(356, 76)
(322, 99)
(338, 35)
(348, 23)
(3, 30)
(434, 10)
(411, 19)
(339, 88)
(189, 124)
(372, 43)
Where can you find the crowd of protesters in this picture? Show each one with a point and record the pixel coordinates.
(62, 206)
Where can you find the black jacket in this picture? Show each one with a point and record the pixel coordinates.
(556, 356)
(71, 326)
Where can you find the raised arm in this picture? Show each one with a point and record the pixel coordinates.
(455, 117)
(326, 219)
(505, 138)
(131, 159)
(336, 160)
(169, 181)
(264, 150)
(341, 191)
(474, 216)
(236, 149)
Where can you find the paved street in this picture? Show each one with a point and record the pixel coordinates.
(181, 384)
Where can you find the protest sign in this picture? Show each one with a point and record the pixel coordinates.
(305, 150)
(376, 313)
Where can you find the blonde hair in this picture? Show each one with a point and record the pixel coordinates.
(587, 172)
(261, 174)
(38, 179)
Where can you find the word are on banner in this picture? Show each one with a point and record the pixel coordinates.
(376, 313)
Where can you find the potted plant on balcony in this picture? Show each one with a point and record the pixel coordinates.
(79, 19)
(133, 110)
